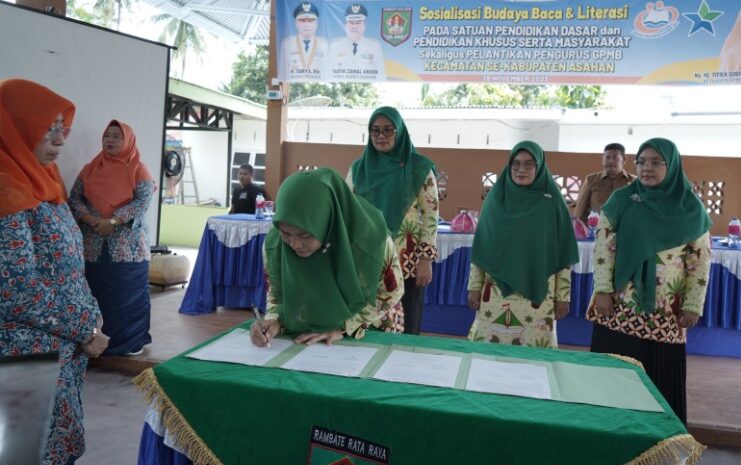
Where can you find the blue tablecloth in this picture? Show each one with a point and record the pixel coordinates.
(154, 451)
(717, 333)
(228, 271)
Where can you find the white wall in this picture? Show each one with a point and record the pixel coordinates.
(209, 155)
(249, 136)
(107, 75)
(691, 139)
(569, 131)
(476, 133)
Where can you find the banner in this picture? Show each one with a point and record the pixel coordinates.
(511, 41)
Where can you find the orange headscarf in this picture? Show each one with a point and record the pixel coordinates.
(27, 111)
(109, 180)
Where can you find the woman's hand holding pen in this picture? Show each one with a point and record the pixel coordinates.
(263, 331)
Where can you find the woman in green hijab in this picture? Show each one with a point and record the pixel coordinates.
(331, 265)
(651, 268)
(520, 279)
(400, 182)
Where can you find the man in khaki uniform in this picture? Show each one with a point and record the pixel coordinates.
(304, 54)
(356, 57)
(597, 187)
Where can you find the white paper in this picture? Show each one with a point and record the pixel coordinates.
(517, 379)
(420, 368)
(337, 359)
(236, 347)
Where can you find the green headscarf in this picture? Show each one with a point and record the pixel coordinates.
(524, 234)
(391, 181)
(318, 293)
(649, 220)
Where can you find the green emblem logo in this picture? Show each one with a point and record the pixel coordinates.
(396, 25)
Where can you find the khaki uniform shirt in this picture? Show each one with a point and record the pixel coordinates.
(595, 191)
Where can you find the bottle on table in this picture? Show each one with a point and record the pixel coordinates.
(592, 221)
(259, 207)
(734, 231)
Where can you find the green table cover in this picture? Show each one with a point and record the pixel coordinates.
(233, 414)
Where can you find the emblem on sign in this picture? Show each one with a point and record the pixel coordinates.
(396, 25)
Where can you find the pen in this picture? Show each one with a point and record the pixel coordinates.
(258, 321)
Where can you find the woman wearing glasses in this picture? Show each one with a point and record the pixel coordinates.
(651, 267)
(109, 200)
(520, 279)
(400, 182)
(45, 302)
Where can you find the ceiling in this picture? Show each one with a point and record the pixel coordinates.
(236, 20)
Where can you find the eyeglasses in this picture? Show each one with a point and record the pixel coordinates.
(527, 166)
(653, 164)
(58, 130)
(387, 131)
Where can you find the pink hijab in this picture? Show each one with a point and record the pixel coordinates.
(109, 181)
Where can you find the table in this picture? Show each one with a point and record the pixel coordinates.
(717, 333)
(270, 412)
(228, 271)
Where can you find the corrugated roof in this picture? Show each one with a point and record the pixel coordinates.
(235, 20)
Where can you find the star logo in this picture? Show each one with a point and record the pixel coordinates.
(703, 19)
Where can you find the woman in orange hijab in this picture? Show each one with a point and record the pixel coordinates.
(45, 302)
(110, 199)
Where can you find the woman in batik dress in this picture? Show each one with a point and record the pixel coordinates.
(45, 303)
(400, 182)
(332, 268)
(651, 268)
(110, 199)
(520, 278)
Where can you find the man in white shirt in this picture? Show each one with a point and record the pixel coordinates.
(304, 54)
(356, 57)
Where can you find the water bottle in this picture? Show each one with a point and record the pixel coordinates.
(592, 221)
(734, 231)
(259, 207)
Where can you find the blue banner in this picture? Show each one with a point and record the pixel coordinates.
(511, 41)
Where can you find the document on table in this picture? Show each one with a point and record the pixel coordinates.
(425, 367)
(605, 386)
(517, 379)
(236, 347)
(337, 359)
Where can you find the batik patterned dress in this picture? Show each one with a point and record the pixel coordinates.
(417, 235)
(46, 306)
(681, 283)
(387, 315)
(514, 319)
(119, 279)
(126, 244)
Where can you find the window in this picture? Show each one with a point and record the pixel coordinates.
(257, 160)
